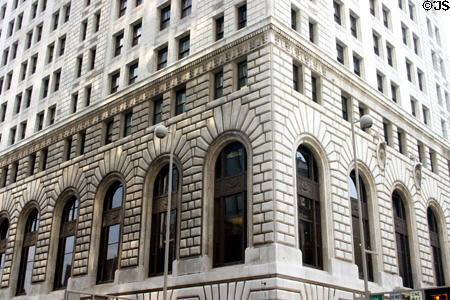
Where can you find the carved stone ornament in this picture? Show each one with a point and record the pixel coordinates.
(418, 175)
(381, 154)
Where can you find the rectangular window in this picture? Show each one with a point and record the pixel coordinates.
(372, 7)
(416, 44)
(66, 13)
(56, 80)
(386, 130)
(408, 71)
(157, 110)
(353, 25)
(51, 115)
(438, 93)
(186, 7)
(356, 65)
(74, 102)
(31, 164)
(376, 48)
(40, 121)
(14, 171)
(67, 148)
(312, 32)
(386, 16)
(109, 132)
(97, 22)
(3, 112)
(401, 140)
(9, 77)
(400, 4)
(115, 77)
(5, 57)
(4, 176)
(337, 12)
(180, 102)
(433, 161)
(314, 88)
(118, 43)
(380, 85)
(426, 114)
(218, 84)
(50, 49)
(79, 66)
(12, 135)
(29, 39)
(242, 75)
(411, 11)
(219, 28)
(39, 33)
(293, 19)
(404, 34)
(28, 94)
(297, 78)
(133, 72)
(413, 107)
(18, 103)
(43, 5)
(162, 58)
(92, 54)
(87, 95)
(165, 18)
(345, 110)
(62, 45)
(389, 50)
(122, 7)
(183, 47)
(11, 28)
(138, 2)
(23, 70)
(34, 61)
(81, 142)
(127, 124)
(420, 151)
(55, 19)
(438, 36)
(19, 21)
(340, 53)
(84, 26)
(137, 32)
(394, 91)
(43, 156)
(14, 49)
(45, 84)
(242, 16)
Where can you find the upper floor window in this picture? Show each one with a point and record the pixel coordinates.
(353, 25)
(186, 7)
(218, 84)
(242, 75)
(219, 28)
(230, 206)
(165, 17)
(242, 16)
(4, 231)
(162, 58)
(180, 102)
(337, 12)
(183, 47)
(122, 7)
(137, 32)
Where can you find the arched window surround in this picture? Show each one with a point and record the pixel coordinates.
(4, 225)
(213, 153)
(440, 217)
(147, 208)
(19, 242)
(321, 158)
(55, 232)
(97, 220)
(373, 216)
(406, 196)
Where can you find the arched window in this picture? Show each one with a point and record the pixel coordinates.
(230, 206)
(433, 228)
(401, 237)
(355, 225)
(66, 243)
(110, 234)
(159, 217)
(308, 202)
(28, 250)
(4, 226)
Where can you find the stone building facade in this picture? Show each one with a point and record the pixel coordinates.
(274, 85)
